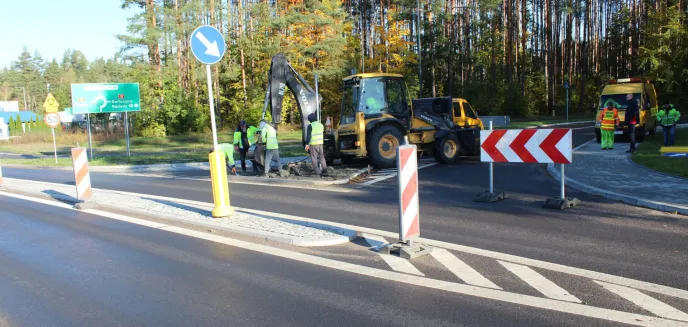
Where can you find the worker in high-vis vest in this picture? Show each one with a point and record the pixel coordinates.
(244, 137)
(228, 149)
(314, 144)
(609, 120)
(668, 117)
(269, 135)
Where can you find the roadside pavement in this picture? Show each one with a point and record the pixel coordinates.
(273, 227)
(613, 175)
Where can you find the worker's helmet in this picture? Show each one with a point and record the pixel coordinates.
(312, 117)
(242, 123)
(609, 103)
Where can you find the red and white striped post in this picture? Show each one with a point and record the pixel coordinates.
(409, 211)
(409, 207)
(81, 175)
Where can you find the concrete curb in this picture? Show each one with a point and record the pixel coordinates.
(151, 168)
(345, 236)
(635, 201)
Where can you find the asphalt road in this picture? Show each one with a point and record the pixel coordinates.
(60, 267)
(599, 235)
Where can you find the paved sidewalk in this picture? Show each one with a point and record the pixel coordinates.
(613, 175)
(274, 227)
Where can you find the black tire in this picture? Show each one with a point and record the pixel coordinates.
(447, 149)
(640, 134)
(598, 136)
(347, 160)
(382, 148)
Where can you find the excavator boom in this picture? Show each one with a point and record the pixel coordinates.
(282, 76)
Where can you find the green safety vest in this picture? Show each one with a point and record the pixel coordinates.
(317, 130)
(250, 134)
(668, 119)
(269, 136)
(228, 149)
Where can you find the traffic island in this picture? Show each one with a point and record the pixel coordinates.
(257, 224)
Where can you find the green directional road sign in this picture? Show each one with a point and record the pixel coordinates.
(105, 97)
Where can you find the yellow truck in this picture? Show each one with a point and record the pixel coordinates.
(643, 92)
(377, 113)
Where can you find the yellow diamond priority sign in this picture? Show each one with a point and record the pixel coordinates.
(50, 104)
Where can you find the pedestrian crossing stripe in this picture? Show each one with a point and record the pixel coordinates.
(543, 285)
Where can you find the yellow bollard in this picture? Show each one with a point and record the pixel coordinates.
(218, 177)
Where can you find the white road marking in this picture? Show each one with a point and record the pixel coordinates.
(396, 263)
(582, 145)
(481, 292)
(539, 282)
(645, 301)
(633, 283)
(461, 269)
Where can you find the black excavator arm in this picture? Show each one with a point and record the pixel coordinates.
(282, 75)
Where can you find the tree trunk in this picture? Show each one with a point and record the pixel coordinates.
(153, 47)
(240, 20)
(547, 44)
(178, 34)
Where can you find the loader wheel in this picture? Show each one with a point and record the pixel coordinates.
(447, 149)
(383, 148)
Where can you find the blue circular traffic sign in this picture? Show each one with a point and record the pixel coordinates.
(207, 44)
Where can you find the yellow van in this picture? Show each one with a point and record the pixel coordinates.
(464, 115)
(646, 96)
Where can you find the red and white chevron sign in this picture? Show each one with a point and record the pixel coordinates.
(527, 145)
(409, 214)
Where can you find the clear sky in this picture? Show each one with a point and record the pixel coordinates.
(53, 26)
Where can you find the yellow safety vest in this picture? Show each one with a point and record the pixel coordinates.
(269, 136)
(317, 130)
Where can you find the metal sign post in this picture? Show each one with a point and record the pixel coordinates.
(563, 186)
(211, 102)
(208, 46)
(126, 132)
(88, 126)
(54, 145)
(53, 120)
(491, 170)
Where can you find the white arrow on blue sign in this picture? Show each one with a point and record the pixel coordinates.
(207, 44)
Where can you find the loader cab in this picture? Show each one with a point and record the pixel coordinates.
(375, 96)
(377, 104)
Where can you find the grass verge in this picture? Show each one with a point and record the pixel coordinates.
(648, 154)
(288, 150)
(529, 122)
(41, 143)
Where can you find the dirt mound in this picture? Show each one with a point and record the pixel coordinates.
(304, 170)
